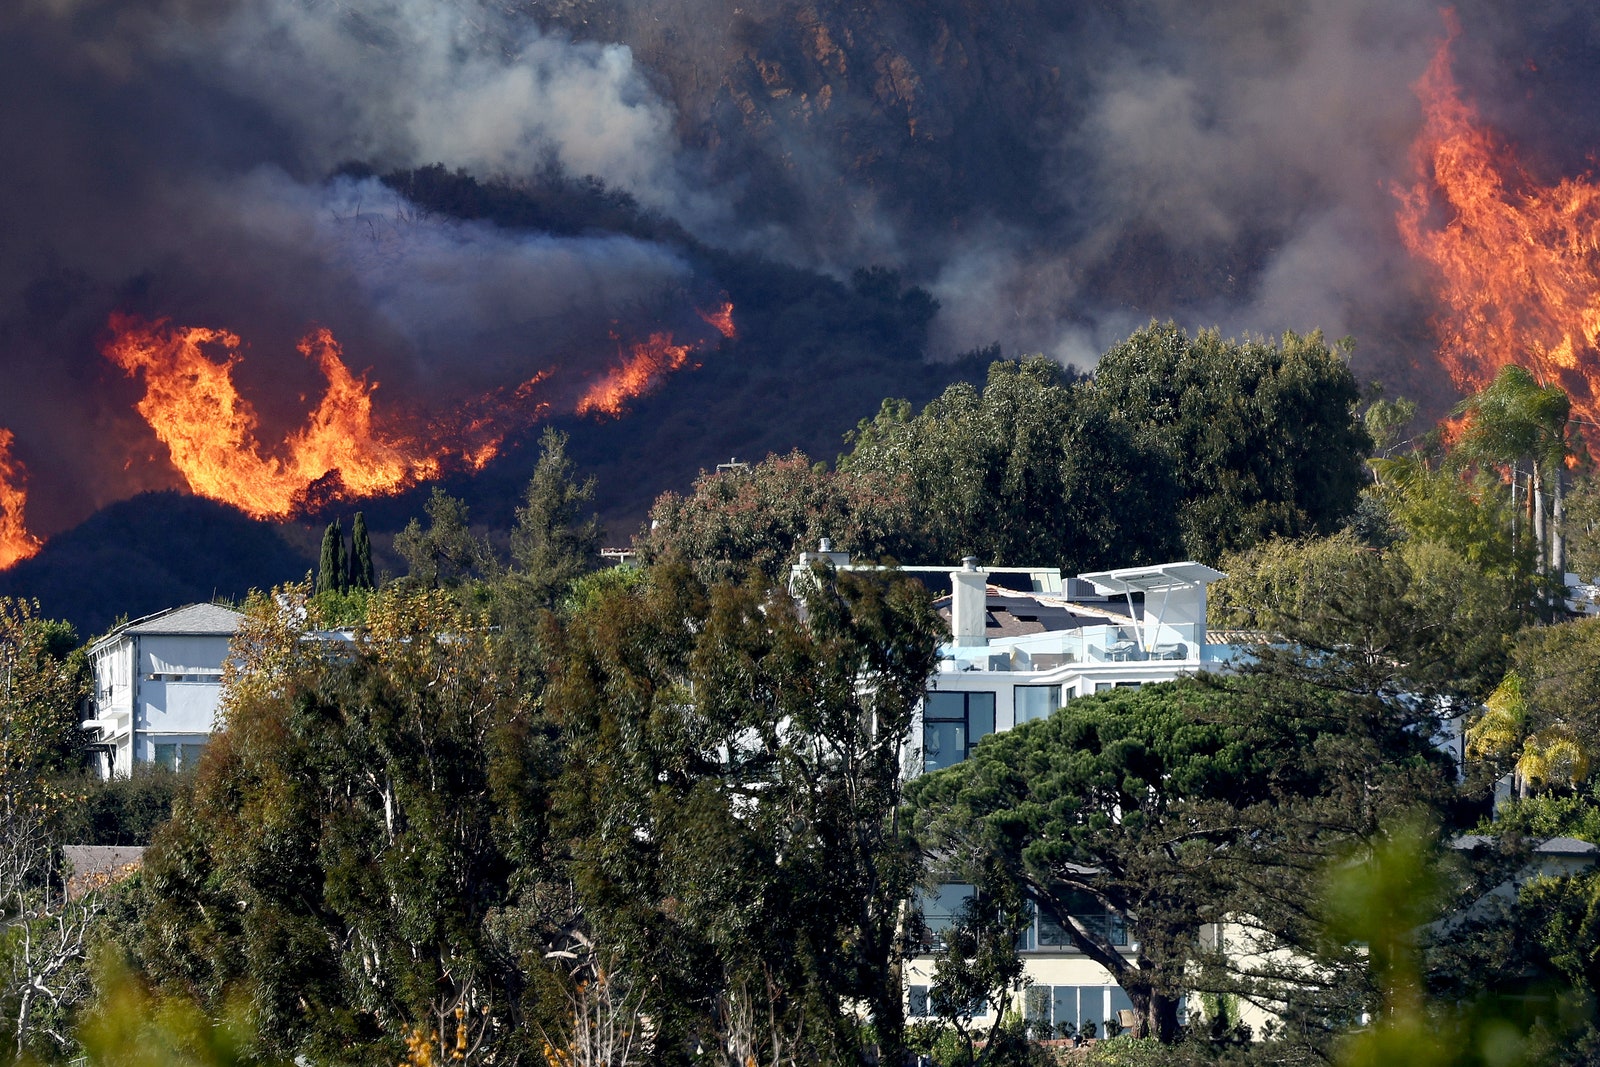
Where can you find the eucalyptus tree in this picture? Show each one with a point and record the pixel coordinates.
(361, 856)
(729, 799)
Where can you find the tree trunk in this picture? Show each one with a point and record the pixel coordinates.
(1155, 1014)
(1161, 1021)
(1558, 522)
(1541, 560)
(889, 1021)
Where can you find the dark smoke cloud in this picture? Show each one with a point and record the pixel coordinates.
(172, 160)
(1056, 173)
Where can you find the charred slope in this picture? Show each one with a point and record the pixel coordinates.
(813, 357)
(154, 551)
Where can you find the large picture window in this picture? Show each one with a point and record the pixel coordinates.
(951, 724)
(1036, 702)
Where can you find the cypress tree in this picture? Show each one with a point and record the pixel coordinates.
(331, 564)
(361, 575)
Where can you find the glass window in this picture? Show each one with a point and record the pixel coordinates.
(1096, 919)
(941, 908)
(191, 755)
(1036, 702)
(1102, 687)
(1052, 932)
(167, 756)
(917, 1001)
(1064, 1003)
(951, 724)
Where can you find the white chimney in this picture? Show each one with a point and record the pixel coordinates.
(969, 604)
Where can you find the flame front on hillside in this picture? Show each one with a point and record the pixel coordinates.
(1517, 262)
(343, 450)
(210, 431)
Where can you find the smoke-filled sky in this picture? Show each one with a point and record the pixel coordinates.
(1056, 173)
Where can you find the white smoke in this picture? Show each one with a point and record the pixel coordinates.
(405, 83)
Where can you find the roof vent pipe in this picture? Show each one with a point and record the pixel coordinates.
(826, 545)
(969, 605)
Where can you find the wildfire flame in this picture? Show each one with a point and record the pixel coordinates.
(721, 319)
(211, 432)
(192, 405)
(16, 543)
(649, 361)
(1518, 263)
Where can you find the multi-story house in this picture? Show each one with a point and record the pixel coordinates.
(157, 683)
(1023, 643)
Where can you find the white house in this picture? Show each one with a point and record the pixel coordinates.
(157, 682)
(1024, 641)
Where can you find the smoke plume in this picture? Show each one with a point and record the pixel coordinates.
(1055, 174)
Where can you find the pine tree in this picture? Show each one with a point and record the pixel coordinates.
(361, 574)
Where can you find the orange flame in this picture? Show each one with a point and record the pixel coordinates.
(1518, 263)
(16, 543)
(721, 319)
(192, 405)
(211, 432)
(648, 362)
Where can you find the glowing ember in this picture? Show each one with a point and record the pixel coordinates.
(192, 405)
(1518, 263)
(16, 543)
(650, 360)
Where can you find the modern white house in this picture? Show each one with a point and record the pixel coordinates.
(157, 683)
(1024, 641)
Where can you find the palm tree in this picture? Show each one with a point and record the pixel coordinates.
(1515, 420)
(1551, 755)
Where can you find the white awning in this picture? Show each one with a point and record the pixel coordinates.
(1159, 578)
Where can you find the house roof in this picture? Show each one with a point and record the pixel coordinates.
(1011, 613)
(1554, 846)
(201, 620)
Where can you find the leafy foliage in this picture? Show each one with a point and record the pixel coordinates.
(1263, 436)
(732, 778)
(1184, 804)
(1417, 618)
(552, 542)
(349, 851)
(763, 517)
(446, 554)
(1023, 472)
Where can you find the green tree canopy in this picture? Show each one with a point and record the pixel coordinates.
(730, 794)
(1024, 471)
(1189, 803)
(348, 857)
(553, 542)
(362, 575)
(1417, 618)
(1263, 436)
(765, 516)
(446, 553)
